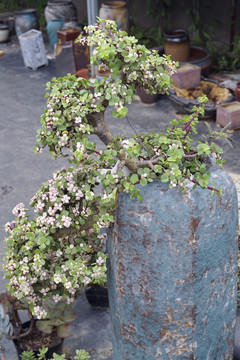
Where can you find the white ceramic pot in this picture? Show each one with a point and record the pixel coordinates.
(4, 33)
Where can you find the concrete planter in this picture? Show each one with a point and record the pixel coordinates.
(173, 273)
(33, 49)
(187, 76)
(229, 114)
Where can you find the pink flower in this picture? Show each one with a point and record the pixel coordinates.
(79, 194)
(40, 205)
(19, 210)
(8, 227)
(65, 199)
(67, 221)
(57, 206)
(51, 211)
(53, 194)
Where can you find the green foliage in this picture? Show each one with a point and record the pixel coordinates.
(13, 5)
(151, 38)
(29, 355)
(160, 13)
(59, 315)
(222, 58)
(10, 5)
(81, 355)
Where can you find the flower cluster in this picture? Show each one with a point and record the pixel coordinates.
(73, 101)
(123, 55)
(43, 259)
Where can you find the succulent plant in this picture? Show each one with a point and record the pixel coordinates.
(59, 315)
(29, 355)
(82, 355)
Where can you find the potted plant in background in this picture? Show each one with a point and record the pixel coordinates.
(71, 212)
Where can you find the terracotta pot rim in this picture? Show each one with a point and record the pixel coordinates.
(113, 4)
(205, 54)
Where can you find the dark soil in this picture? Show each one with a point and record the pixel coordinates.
(37, 340)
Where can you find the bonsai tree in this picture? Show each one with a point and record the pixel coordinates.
(51, 257)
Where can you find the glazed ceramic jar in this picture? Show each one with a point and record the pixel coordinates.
(60, 9)
(176, 44)
(117, 11)
(26, 20)
(52, 27)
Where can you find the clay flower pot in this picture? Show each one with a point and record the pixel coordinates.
(176, 44)
(147, 98)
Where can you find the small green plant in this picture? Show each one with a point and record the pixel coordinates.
(222, 58)
(81, 355)
(160, 13)
(29, 355)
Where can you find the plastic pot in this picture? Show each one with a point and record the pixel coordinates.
(97, 296)
(56, 348)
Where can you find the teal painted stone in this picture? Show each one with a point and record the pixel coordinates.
(172, 273)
